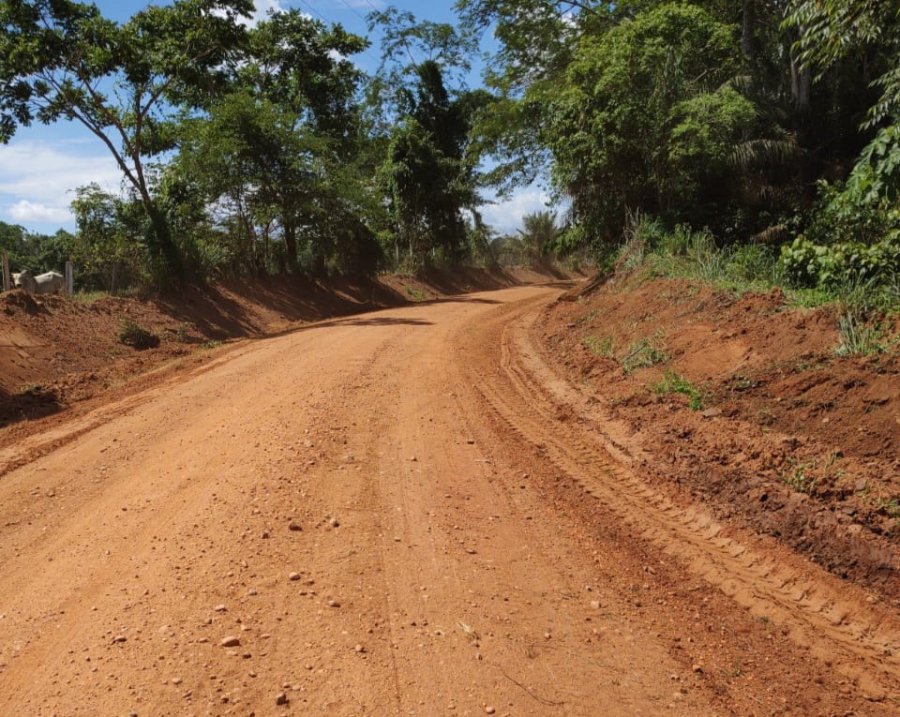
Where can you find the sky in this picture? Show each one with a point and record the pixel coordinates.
(42, 165)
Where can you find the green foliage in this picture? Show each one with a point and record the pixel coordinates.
(428, 175)
(644, 353)
(108, 247)
(674, 383)
(857, 338)
(604, 347)
(809, 265)
(136, 336)
(644, 119)
(35, 252)
(64, 60)
(539, 234)
(798, 479)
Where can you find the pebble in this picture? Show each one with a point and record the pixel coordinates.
(294, 576)
(281, 698)
(333, 603)
(489, 710)
(230, 641)
(219, 608)
(360, 649)
(595, 604)
(176, 680)
(265, 535)
(293, 525)
(119, 638)
(697, 668)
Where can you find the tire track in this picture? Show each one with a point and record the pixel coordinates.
(525, 394)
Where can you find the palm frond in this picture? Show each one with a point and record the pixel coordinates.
(766, 151)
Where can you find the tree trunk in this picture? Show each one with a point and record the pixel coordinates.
(168, 265)
(290, 245)
(748, 22)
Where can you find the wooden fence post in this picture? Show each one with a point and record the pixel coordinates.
(70, 278)
(7, 278)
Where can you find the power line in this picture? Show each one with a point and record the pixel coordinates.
(355, 11)
(331, 22)
(412, 59)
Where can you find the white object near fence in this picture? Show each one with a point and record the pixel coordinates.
(7, 278)
(70, 278)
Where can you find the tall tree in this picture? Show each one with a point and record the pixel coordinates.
(61, 59)
(430, 172)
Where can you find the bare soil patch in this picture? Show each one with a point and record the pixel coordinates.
(744, 405)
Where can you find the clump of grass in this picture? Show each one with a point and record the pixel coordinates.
(674, 383)
(799, 480)
(89, 297)
(890, 507)
(136, 336)
(416, 294)
(211, 344)
(644, 353)
(183, 333)
(600, 347)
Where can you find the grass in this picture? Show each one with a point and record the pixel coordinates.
(416, 294)
(891, 507)
(211, 344)
(600, 347)
(684, 253)
(136, 336)
(674, 383)
(644, 353)
(799, 480)
(89, 297)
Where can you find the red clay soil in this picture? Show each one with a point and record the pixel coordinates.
(55, 351)
(788, 439)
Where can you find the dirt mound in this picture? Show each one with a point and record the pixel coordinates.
(55, 350)
(746, 405)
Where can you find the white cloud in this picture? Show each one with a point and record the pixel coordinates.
(37, 179)
(261, 10)
(506, 215)
(25, 211)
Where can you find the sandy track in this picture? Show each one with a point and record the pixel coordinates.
(450, 558)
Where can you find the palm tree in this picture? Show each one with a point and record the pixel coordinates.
(539, 233)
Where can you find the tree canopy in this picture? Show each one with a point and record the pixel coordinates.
(264, 148)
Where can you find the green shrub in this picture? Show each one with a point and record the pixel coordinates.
(136, 336)
(808, 264)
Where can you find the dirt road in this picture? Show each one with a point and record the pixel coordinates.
(400, 513)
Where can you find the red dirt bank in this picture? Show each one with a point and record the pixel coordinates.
(791, 440)
(55, 352)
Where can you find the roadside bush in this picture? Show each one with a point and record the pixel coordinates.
(807, 264)
(136, 336)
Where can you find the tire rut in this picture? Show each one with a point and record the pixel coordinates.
(860, 642)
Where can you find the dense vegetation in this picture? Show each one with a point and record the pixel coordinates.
(769, 124)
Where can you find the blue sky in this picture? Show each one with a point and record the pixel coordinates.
(42, 165)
